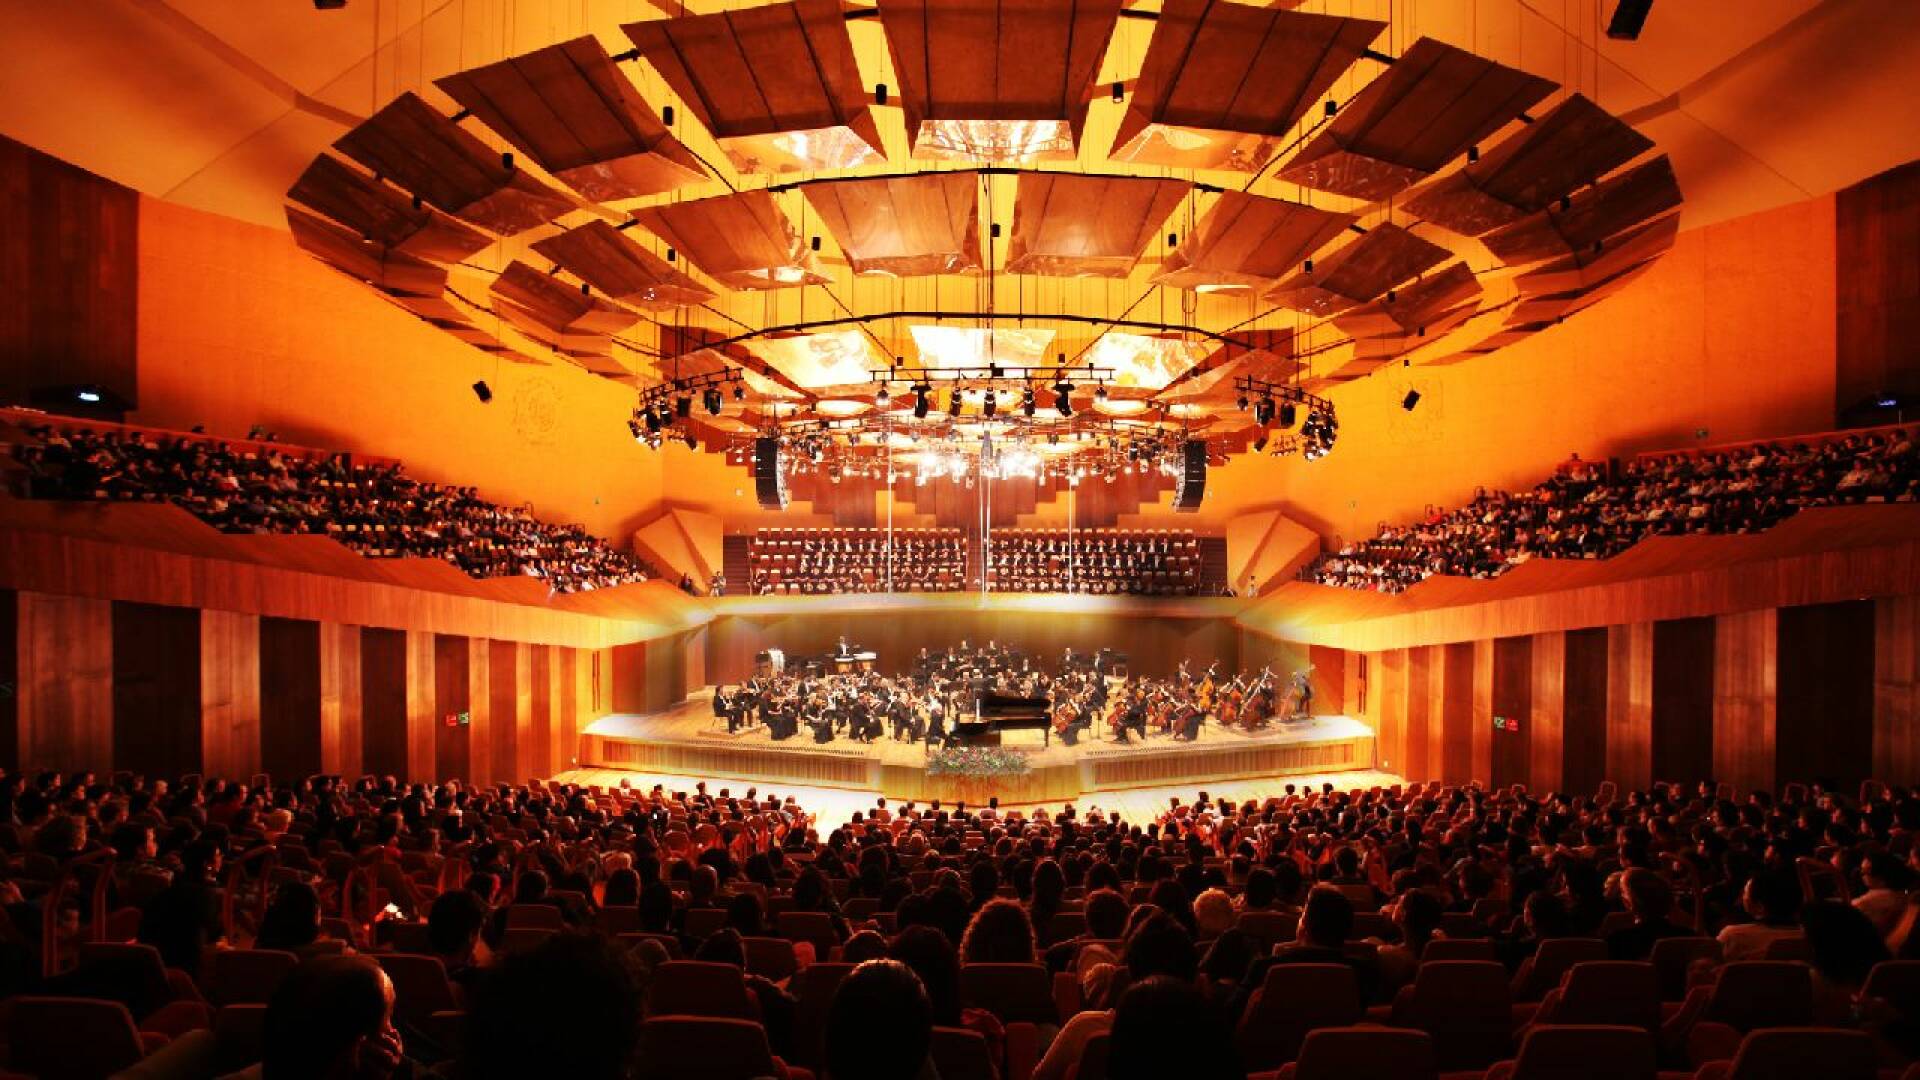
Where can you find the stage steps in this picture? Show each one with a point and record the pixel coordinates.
(736, 564)
(1213, 565)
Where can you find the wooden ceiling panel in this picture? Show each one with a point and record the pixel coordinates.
(997, 81)
(1071, 225)
(1417, 307)
(777, 84)
(1541, 307)
(1404, 340)
(416, 147)
(1577, 143)
(555, 306)
(383, 213)
(904, 226)
(569, 107)
(1386, 256)
(603, 257)
(1586, 268)
(1425, 110)
(384, 268)
(1221, 82)
(1249, 242)
(1590, 217)
(742, 240)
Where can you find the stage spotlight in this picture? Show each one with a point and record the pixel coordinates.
(1026, 401)
(1287, 413)
(1101, 392)
(1260, 443)
(882, 399)
(692, 443)
(1412, 399)
(1240, 403)
(1063, 398)
(953, 402)
(922, 403)
(480, 390)
(739, 392)
(634, 426)
(988, 404)
(652, 419)
(1263, 411)
(714, 401)
(683, 406)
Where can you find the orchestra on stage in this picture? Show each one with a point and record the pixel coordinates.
(971, 694)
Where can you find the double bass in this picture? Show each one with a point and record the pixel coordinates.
(1231, 702)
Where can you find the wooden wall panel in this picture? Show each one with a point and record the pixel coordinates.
(578, 679)
(69, 277)
(1511, 754)
(1877, 295)
(10, 680)
(480, 767)
(1450, 727)
(66, 682)
(229, 694)
(536, 754)
(1546, 720)
(1896, 688)
(1826, 683)
(1744, 696)
(291, 735)
(1682, 699)
(1629, 728)
(156, 690)
(1480, 722)
(509, 703)
(628, 669)
(451, 687)
(693, 659)
(1420, 765)
(422, 719)
(1390, 690)
(1329, 675)
(341, 719)
(1586, 752)
(1155, 642)
(384, 700)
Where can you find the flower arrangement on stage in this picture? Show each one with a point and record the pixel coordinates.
(978, 761)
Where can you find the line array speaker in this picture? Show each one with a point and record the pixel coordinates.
(1190, 486)
(769, 484)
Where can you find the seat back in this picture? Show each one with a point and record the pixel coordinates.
(535, 917)
(1896, 982)
(619, 919)
(57, 1038)
(962, 1054)
(522, 938)
(813, 989)
(1372, 1052)
(1295, 999)
(1762, 994)
(676, 1047)
(1466, 1007)
(1093, 1058)
(240, 1032)
(1672, 957)
(247, 976)
(1585, 1052)
(1440, 949)
(811, 926)
(1552, 961)
(698, 988)
(1012, 992)
(1269, 928)
(702, 922)
(1609, 992)
(1791, 1053)
(420, 985)
(771, 957)
(667, 942)
(410, 937)
(1064, 926)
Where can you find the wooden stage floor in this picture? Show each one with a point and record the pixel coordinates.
(687, 740)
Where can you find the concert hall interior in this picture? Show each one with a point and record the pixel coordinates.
(960, 539)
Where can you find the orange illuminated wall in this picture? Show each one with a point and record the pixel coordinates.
(1730, 336)
(238, 327)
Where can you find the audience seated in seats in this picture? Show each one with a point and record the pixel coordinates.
(1142, 562)
(857, 560)
(375, 509)
(1177, 916)
(1588, 511)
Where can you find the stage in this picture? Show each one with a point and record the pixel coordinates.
(688, 740)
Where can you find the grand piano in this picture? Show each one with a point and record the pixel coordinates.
(996, 713)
